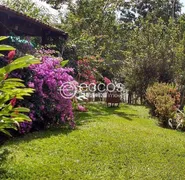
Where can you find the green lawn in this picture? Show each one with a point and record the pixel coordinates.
(109, 143)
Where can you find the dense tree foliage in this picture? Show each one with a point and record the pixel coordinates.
(94, 30)
(92, 27)
(154, 51)
(141, 42)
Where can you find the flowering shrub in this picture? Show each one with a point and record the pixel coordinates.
(87, 69)
(47, 50)
(25, 127)
(163, 100)
(47, 106)
(81, 108)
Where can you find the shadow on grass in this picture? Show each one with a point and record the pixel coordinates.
(100, 109)
(39, 135)
(81, 118)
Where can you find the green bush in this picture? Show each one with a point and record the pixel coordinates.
(163, 100)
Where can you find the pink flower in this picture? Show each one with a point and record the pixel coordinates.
(13, 101)
(81, 108)
(31, 85)
(86, 82)
(11, 55)
(42, 107)
(106, 80)
(93, 81)
(6, 76)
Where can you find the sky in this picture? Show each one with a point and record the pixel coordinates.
(41, 3)
(183, 9)
(52, 11)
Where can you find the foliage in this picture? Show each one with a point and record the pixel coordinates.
(129, 35)
(12, 89)
(94, 30)
(163, 99)
(154, 54)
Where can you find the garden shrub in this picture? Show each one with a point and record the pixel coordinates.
(47, 106)
(88, 69)
(163, 100)
(48, 77)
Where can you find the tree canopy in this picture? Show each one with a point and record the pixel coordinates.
(141, 42)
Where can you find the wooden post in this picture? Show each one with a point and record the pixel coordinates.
(44, 38)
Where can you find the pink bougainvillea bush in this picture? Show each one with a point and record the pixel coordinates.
(47, 106)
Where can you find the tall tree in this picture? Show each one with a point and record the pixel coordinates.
(155, 53)
(94, 30)
(93, 27)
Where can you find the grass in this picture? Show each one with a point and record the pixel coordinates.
(109, 143)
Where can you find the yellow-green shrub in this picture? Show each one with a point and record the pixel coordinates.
(163, 100)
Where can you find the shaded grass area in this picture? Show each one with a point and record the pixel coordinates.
(109, 143)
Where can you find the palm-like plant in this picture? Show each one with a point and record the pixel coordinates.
(12, 89)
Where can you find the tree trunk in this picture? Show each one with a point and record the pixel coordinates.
(129, 97)
(182, 101)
